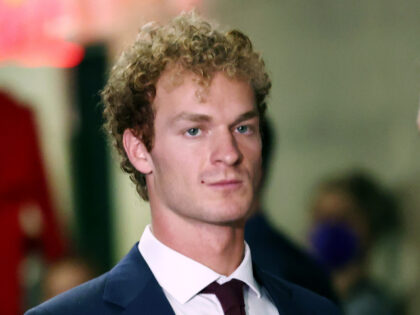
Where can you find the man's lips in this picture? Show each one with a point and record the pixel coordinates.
(226, 184)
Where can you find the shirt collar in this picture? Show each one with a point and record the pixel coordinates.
(183, 277)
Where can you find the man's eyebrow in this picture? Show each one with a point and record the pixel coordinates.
(191, 117)
(245, 116)
(199, 118)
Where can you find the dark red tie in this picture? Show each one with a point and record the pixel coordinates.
(230, 295)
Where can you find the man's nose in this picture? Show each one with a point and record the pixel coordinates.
(225, 149)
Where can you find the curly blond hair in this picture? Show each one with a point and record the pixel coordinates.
(187, 41)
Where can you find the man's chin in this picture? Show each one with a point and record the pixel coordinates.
(233, 214)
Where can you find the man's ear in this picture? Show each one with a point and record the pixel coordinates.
(136, 152)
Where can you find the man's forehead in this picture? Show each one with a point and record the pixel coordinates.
(184, 98)
(181, 85)
(176, 75)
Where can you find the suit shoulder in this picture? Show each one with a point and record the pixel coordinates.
(304, 301)
(39, 310)
(310, 300)
(83, 299)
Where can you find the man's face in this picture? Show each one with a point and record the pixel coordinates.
(206, 158)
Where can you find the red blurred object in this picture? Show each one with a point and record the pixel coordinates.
(28, 36)
(34, 32)
(22, 183)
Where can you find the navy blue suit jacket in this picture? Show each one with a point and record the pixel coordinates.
(131, 289)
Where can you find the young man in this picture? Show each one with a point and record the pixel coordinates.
(183, 106)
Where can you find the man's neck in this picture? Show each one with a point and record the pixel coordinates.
(219, 247)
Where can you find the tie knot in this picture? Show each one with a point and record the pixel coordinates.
(229, 294)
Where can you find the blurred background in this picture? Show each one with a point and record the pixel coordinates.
(346, 82)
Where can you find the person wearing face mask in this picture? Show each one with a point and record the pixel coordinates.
(349, 213)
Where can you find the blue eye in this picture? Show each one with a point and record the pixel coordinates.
(193, 132)
(243, 129)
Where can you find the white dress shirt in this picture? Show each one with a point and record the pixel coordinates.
(182, 279)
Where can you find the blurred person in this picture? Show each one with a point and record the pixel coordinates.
(418, 119)
(28, 219)
(414, 296)
(64, 275)
(183, 105)
(349, 214)
(275, 252)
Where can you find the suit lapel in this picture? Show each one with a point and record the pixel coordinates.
(152, 301)
(280, 294)
(132, 286)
